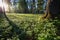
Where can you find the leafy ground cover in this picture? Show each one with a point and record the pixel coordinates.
(28, 27)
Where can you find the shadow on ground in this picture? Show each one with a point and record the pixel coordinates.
(14, 32)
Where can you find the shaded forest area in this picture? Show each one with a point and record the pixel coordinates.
(16, 24)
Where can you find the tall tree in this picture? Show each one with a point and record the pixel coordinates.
(1, 12)
(14, 4)
(23, 5)
(33, 6)
(52, 9)
(40, 5)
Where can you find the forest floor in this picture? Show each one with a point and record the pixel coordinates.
(29, 23)
(17, 18)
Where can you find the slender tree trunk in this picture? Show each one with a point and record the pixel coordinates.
(33, 6)
(52, 9)
(1, 13)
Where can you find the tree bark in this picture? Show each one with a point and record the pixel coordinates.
(52, 9)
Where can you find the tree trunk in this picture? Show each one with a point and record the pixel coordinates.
(52, 9)
(1, 13)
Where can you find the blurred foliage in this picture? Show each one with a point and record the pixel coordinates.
(20, 6)
(29, 27)
(40, 4)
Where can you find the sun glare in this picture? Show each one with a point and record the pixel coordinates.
(3, 4)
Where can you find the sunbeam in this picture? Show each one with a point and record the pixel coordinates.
(3, 4)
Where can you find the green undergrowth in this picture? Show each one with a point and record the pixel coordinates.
(29, 26)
